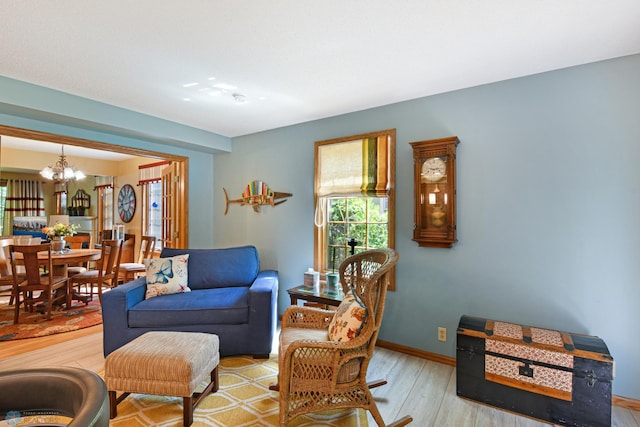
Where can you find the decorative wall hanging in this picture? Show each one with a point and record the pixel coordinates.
(126, 203)
(256, 194)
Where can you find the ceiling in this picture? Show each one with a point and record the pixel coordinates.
(293, 61)
(54, 148)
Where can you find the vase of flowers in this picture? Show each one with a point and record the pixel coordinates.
(57, 233)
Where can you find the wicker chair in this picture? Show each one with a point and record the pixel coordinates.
(317, 374)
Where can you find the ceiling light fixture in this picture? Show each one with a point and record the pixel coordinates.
(239, 98)
(61, 172)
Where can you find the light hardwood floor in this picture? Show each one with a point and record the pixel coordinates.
(417, 387)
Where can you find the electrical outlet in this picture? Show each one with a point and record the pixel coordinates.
(442, 334)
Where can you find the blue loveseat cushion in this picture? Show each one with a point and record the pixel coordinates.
(199, 307)
(219, 268)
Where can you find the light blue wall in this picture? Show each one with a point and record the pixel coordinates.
(548, 207)
(48, 105)
(548, 199)
(33, 107)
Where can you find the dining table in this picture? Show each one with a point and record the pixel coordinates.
(61, 260)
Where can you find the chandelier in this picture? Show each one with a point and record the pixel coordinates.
(61, 172)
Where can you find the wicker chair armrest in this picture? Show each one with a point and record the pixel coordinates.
(306, 317)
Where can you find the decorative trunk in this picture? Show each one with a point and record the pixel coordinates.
(559, 377)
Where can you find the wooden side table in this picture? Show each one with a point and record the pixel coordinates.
(323, 296)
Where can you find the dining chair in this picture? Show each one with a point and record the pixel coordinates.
(105, 273)
(78, 241)
(128, 271)
(26, 240)
(6, 278)
(52, 288)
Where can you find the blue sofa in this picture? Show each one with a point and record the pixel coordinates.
(229, 297)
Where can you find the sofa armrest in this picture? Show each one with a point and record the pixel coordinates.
(263, 308)
(115, 305)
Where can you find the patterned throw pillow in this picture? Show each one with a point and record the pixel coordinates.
(167, 275)
(347, 322)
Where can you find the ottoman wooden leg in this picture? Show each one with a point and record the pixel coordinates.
(187, 412)
(215, 380)
(190, 403)
(113, 403)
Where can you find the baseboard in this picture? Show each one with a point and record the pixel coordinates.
(623, 402)
(445, 360)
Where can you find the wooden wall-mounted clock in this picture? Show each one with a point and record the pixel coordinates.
(435, 192)
(126, 203)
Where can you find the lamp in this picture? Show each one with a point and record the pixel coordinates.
(61, 172)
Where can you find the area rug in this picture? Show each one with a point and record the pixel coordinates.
(34, 324)
(243, 400)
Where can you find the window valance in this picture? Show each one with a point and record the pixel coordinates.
(354, 167)
(151, 172)
(103, 182)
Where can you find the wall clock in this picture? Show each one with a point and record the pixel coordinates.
(126, 203)
(435, 192)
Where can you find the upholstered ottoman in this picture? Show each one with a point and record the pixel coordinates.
(166, 364)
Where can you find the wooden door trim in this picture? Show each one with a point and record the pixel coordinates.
(87, 143)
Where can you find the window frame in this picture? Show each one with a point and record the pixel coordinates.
(321, 244)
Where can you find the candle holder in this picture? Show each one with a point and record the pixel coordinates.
(333, 278)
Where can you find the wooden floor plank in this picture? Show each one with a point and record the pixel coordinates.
(423, 389)
(528, 422)
(425, 398)
(401, 379)
(455, 411)
(487, 416)
(622, 417)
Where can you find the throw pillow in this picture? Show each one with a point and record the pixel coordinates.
(347, 322)
(167, 275)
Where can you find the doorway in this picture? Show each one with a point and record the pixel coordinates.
(178, 237)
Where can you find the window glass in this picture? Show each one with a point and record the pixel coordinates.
(3, 199)
(106, 195)
(154, 211)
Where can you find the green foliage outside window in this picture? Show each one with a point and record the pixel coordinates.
(364, 219)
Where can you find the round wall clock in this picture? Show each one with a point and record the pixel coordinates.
(434, 169)
(126, 203)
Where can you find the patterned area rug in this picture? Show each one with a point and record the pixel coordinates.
(243, 400)
(34, 324)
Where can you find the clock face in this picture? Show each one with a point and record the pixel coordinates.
(434, 169)
(126, 203)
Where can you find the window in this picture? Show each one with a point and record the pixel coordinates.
(154, 210)
(104, 188)
(354, 197)
(150, 182)
(3, 200)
